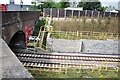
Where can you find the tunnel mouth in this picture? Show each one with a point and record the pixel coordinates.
(18, 41)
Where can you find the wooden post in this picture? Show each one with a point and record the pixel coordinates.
(77, 33)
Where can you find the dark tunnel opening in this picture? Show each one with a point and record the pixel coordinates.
(18, 41)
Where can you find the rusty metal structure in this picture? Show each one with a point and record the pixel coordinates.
(14, 23)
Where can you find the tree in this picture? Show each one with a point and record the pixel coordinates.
(33, 7)
(64, 4)
(49, 4)
(90, 4)
(102, 8)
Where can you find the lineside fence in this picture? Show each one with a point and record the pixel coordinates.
(84, 35)
(70, 42)
(62, 13)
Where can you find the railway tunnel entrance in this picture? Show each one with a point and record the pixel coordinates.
(18, 41)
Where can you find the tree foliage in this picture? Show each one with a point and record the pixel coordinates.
(50, 4)
(91, 5)
(64, 4)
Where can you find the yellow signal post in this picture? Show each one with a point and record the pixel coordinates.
(53, 68)
(106, 66)
(80, 67)
(100, 68)
(60, 68)
(93, 68)
(117, 70)
(66, 70)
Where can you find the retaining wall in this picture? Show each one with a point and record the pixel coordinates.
(84, 45)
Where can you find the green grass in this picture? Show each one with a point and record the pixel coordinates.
(74, 74)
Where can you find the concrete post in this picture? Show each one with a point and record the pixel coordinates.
(58, 13)
(85, 13)
(79, 15)
(98, 14)
(72, 13)
(65, 14)
(104, 15)
(43, 10)
(51, 12)
(92, 13)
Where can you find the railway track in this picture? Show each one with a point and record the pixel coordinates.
(68, 57)
(61, 61)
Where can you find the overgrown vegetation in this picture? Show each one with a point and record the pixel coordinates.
(74, 73)
(40, 23)
(109, 24)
